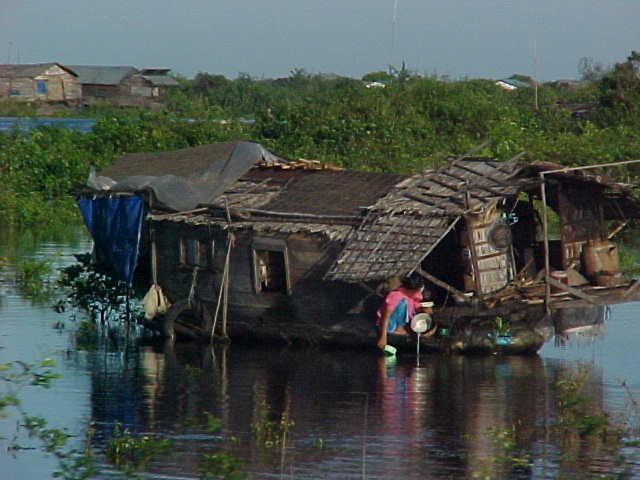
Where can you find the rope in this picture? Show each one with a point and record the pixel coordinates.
(194, 280)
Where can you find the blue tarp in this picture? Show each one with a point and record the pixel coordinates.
(115, 225)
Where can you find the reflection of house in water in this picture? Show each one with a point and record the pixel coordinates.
(399, 420)
(273, 249)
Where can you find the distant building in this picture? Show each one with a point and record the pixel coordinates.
(374, 85)
(566, 85)
(513, 83)
(41, 82)
(123, 86)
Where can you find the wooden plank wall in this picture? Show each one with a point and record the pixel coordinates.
(312, 300)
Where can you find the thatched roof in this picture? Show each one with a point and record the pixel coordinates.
(402, 228)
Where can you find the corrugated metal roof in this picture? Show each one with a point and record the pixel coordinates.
(29, 70)
(102, 75)
(160, 80)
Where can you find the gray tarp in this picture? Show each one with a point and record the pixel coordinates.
(179, 193)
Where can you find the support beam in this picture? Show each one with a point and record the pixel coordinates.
(440, 283)
(573, 291)
(631, 289)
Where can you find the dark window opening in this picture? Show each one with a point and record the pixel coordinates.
(189, 251)
(271, 271)
(41, 87)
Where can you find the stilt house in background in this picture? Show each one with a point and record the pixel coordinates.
(259, 246)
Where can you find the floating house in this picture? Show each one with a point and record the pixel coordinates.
(41, 82)
(247, 244)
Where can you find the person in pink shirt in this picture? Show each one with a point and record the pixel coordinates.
(398, 308)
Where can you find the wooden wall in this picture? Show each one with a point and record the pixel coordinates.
(133, 91)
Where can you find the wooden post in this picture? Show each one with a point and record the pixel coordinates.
(472, 247)
(545, 228)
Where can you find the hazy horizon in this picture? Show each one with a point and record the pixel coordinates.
(490, 39)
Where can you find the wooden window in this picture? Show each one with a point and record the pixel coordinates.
(188, 251)
(271, 266)
(195, 252)
(41, 87)
(203, 253)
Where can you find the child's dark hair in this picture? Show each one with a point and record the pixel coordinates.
(412, 282)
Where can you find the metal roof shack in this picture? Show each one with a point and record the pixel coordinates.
(123, 85)
(102, 74)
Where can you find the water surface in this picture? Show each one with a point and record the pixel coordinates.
(346, 415)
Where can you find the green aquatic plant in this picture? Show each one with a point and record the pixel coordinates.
(501, 327)
(270, 433)
(219, 466)
(32, 278)
(130, 453)
(509, 457)
(91, 290)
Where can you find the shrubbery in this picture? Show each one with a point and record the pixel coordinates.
(410, 124)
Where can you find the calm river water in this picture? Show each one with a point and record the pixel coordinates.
(353, 415)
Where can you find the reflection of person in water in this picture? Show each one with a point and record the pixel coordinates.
(399, 420)
(398, 308)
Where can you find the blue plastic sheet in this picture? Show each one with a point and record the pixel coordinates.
(115, 225)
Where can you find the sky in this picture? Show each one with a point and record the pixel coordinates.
(270, 38)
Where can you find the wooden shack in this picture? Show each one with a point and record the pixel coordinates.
(102, 83)
(41, 82)
(123, 86)
(300, 251)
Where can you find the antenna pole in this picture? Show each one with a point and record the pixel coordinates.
(394, 20)
(535, 73)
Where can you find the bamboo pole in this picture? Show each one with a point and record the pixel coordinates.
(545, 228)
(221, 290)
(571, 290)
(225, 299)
